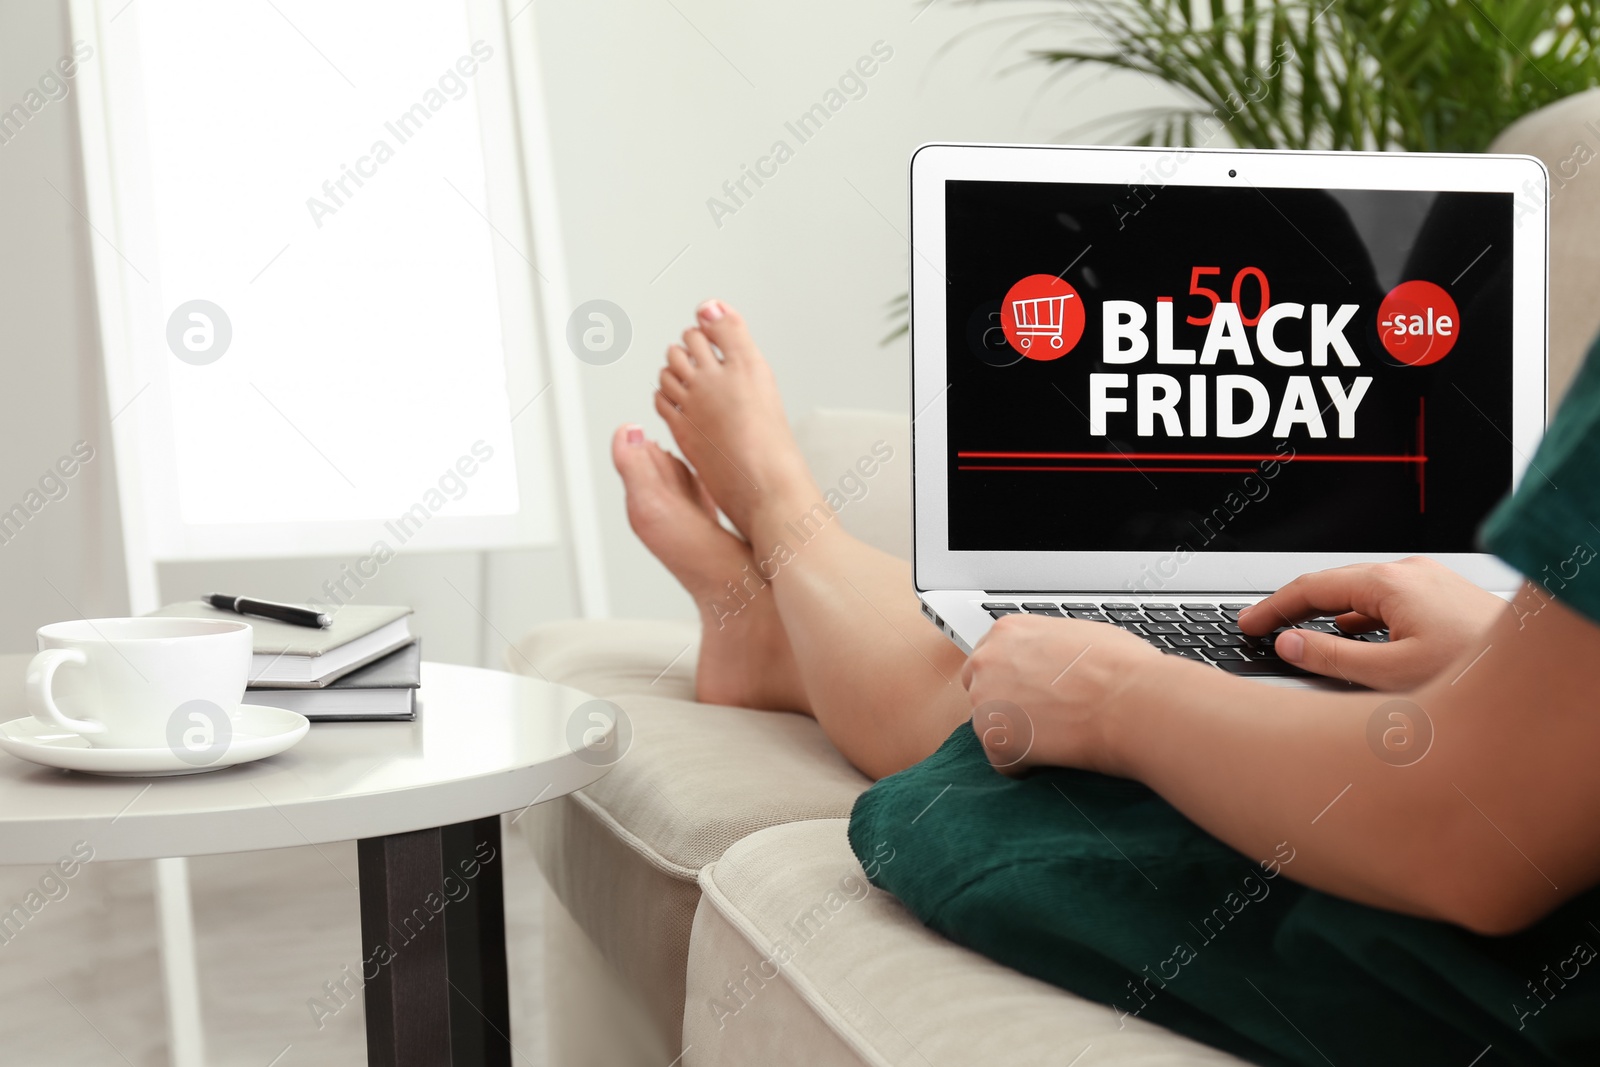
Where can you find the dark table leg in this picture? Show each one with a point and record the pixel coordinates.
(475, 937)
(434, 949)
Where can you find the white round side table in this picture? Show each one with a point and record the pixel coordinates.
(422, 798)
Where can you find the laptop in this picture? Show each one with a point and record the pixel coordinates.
(1152, 385)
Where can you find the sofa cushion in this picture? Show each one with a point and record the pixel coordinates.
(605, 657)
(1566, 136)
(698, 777)
(795, 959)
(624, 854)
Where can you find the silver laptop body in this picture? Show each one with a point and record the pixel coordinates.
(1152, 385)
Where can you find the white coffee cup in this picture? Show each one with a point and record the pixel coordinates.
(142, 683)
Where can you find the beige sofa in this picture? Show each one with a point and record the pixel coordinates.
(716, 847)
(720, 835)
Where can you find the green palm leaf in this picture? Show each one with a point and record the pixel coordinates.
(1421, 75)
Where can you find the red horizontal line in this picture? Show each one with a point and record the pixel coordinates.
(1249, 457)
(1114, 470)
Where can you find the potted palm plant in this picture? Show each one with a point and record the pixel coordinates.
(1413, 75)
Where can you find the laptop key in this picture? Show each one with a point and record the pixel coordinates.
(1234, 607)
(1119, 607)
(1200, 628)
(1121, 615)
(1089, 616)
(1257, 667)
(1325, 626)
(1204, 615)
(1224, 641)
(1051, 612)
(1160, 607)
(1377, 637)
(998, 612)
(1186, 653)
(1162, 628)
(1198, 607)
(1185, 641)
(1080, 607)
(1220, 655)
(1231, 614)
(1040, 606)
(1229, 627)
(998, 606)
(1165, 616)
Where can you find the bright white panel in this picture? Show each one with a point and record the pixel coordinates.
(366, 354)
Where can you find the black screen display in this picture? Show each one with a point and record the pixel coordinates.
(1226, 369)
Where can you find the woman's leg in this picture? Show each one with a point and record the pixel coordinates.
(882, 682)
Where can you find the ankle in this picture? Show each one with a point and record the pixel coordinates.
(720, 606)
(781, 527)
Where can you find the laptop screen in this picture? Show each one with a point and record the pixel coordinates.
(1226, 369)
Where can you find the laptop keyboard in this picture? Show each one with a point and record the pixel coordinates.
(1202, 631)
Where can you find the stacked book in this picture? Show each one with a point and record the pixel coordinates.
(366, 665)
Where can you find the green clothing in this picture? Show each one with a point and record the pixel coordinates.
(1098, 885)
(1549, 529)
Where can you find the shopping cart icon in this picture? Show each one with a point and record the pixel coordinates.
(1040, 317)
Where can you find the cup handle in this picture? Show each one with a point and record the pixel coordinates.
(41, 674)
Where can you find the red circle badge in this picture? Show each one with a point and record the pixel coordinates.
(1042, 317)
(1418, 323)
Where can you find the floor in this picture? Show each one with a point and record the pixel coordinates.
(81, 982)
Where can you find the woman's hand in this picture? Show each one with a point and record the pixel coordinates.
(1433, 616)
(1042, 687)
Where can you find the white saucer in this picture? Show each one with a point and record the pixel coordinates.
(257, 732)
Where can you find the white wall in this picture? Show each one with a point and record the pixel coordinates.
(650, 112)
(67, 559)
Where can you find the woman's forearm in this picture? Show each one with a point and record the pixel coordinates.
(1485, 820)
(1260, 766)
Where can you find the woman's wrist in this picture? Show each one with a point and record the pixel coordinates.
(1130, 705)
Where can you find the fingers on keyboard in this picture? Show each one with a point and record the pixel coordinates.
(1201, 631)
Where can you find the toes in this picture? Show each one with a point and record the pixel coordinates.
(651, 474)
(708, 503)
(727, 330)
(678, 423)
(680, 364)
(654, 498)
(630, 454)
(669, 413)
(672, 387)
(699, 347)
(691, 486)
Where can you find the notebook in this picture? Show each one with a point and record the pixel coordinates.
(303, 657)
(385, 689)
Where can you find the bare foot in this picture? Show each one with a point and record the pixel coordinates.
(727, 418)
(745, 658)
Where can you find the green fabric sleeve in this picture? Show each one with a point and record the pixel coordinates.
(1549, 529)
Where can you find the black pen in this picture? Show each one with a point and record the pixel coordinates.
(293, 614)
